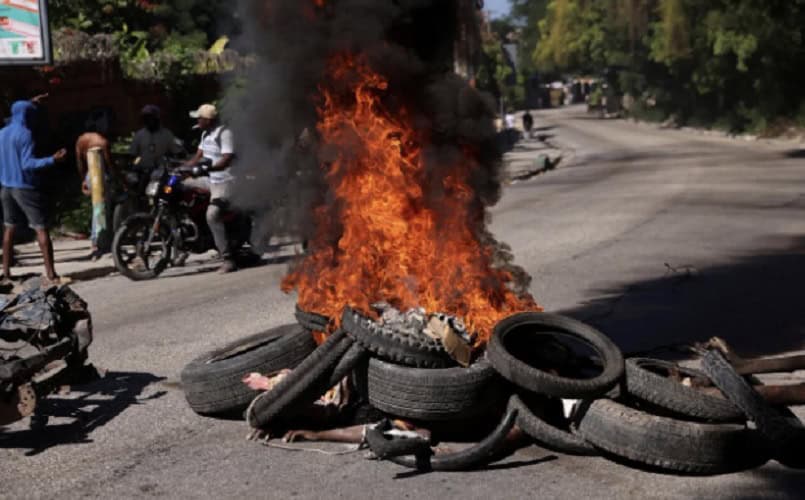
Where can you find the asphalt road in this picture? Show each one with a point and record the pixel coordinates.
(654, 236)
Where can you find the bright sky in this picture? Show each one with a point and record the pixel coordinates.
(497, 7)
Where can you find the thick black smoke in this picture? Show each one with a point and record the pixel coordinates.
(411, 43)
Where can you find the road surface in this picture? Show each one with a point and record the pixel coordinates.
(654, 236)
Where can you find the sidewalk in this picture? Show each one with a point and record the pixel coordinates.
(72, 260)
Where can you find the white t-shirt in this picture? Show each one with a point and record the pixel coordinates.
(214, 145)
(509, 120)
(151, 147)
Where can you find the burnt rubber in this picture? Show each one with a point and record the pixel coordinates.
(385, 448)
(533, 379)
(311, 321)
(354, 356)
(552, 437)
(302, 386)
(213, 382)
(643, 382)
(470, 458)
(669, 444)
(435, 394)
(785, 432)
(389, 345)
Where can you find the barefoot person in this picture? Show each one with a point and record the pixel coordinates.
(22, 195)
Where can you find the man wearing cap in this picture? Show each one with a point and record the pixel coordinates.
(216, 146)
(152, 142)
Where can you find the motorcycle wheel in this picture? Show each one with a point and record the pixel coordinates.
(134, 261)
(121, 212)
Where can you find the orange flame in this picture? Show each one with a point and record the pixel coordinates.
(384, 240)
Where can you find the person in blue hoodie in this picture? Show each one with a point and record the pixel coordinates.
(20, 177)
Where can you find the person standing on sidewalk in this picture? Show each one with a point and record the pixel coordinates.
(20, 176)
(217, 146)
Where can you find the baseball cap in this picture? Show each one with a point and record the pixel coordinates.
(205, 111)
(150, 109)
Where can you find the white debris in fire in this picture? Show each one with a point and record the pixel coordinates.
(449, 330)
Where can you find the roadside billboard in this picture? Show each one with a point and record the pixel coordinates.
(24, 33)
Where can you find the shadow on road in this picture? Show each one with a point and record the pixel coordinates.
(755, 303)
(795, 153)
(90, 406)
(775, 481)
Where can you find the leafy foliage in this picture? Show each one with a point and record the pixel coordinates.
(154, 40)
(734, 63)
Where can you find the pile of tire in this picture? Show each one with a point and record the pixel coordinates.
(636, 411)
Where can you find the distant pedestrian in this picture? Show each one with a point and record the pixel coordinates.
(528, 123)
(99, 189)
(21, 177)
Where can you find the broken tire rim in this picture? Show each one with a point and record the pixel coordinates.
(784, 431)
(474, 457)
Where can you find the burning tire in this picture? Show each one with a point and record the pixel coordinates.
(213, 383)
(502, 347)
(390, 345)
(311, 321)
(648, 380)
(435, 394)
(669, 444)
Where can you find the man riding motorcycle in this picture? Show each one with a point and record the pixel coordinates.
(214, 157)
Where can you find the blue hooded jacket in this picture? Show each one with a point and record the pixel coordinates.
(18, 166)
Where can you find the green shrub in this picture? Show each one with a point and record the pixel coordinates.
(77, 217)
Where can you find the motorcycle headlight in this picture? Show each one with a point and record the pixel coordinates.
(152, 188)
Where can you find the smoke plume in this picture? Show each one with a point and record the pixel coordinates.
(411, 44)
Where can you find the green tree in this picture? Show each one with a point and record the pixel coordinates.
(733, 63)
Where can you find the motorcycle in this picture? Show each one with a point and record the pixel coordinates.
(44, 336)
(148, 243)
(131, 200)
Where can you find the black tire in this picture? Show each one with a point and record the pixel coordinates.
(669, 444)
(542, 382)
(386, 344)
(552, 437)
(474, 457)
(128, 253)
(311, 321)
(435, 394)
(121, 212)
(213, 382)
(303, 385)
(784, 431)
(643, 382)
